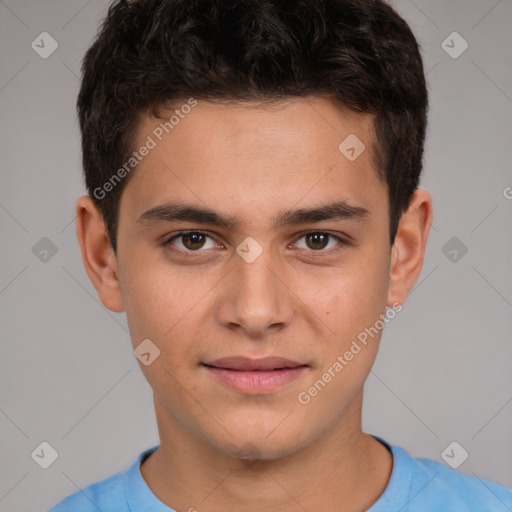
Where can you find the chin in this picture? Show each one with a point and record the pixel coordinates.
(260, 447)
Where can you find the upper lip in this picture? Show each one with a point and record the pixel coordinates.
(249, 364)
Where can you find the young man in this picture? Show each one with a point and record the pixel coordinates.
(253, 171)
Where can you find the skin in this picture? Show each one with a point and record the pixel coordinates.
(300, 299)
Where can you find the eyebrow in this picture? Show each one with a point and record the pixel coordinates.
(179, 211)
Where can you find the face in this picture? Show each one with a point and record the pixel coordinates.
(235, 263)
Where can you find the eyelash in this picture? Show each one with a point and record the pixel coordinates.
(193, 254)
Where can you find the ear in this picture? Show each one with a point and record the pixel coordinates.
(98, 255)
(409, 247)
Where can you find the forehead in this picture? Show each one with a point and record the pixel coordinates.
(245, 157)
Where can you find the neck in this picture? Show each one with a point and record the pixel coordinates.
(343, 470)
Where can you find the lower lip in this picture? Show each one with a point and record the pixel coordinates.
(257, 382)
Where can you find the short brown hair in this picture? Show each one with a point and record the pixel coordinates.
(151, 52)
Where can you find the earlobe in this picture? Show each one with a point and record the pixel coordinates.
(98, 255)
(409, 247)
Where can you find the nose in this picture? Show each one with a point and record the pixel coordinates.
(255, 298)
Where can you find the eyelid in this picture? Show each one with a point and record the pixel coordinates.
(341, 241)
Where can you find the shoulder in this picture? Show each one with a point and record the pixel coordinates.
(107, 495)
(437, 487)
(111, 494)
(432, 477)
(418, 484)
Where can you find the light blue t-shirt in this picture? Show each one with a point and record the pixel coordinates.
(416, 485)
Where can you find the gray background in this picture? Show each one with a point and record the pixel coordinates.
(67, 372)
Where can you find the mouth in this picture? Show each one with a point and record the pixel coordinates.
(242, 363)
(255, 376)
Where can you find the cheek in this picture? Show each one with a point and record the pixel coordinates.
(351, 301)
(356, 291)
(354, 304)
(155, 300)
(168, 308)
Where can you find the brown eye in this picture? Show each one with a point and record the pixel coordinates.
(319, 240)
(193, 241)
(190, 241)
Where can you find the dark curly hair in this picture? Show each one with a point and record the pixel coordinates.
(150, 53)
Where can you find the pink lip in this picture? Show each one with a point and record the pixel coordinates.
(255, 376)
